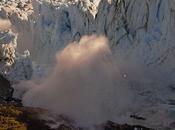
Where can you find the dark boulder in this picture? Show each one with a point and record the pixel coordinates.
(114, 126)
(6, 90)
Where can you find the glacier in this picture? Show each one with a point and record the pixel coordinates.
(132, 25)
(141, 28)
(140, 33)
(13, 65)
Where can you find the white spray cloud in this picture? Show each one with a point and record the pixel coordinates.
(85, 84)
(4, 24)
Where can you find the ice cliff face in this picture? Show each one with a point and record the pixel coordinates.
(13, 66)
(144, 29)
(141, 28)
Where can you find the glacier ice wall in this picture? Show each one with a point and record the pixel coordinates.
(144, 29)
(13, 66)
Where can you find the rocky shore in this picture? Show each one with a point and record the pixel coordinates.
(16, 117)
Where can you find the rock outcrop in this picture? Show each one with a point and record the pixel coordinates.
(6, 90)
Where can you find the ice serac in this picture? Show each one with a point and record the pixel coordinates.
(149, 29)
(19, 13)
(59, 23)
(13, 66)
(141, 28)
(144, 29)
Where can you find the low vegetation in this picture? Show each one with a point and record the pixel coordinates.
(20, 118)
(9, 119)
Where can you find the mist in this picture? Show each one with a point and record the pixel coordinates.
(90, 84)
(4, 24)
(85, 84)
